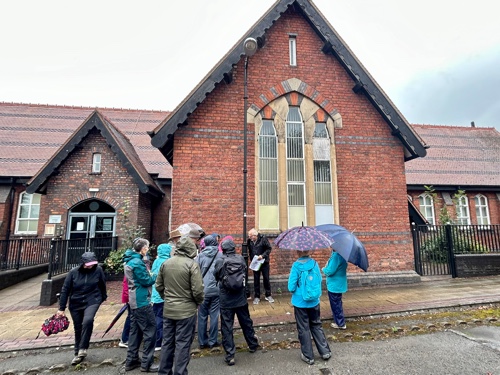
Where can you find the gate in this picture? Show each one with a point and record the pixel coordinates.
(435, 246)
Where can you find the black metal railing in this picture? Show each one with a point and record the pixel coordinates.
(435, 246)
(66, 254)
(23, 252)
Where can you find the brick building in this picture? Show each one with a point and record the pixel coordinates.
(325, 143)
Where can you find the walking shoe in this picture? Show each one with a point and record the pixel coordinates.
(132, 366)
(203, 347)
(152, 368)
(158, 348)
(270, 299)
(326, 356)
(256, 301)
(76, 360)
(82, 353)
(216, 345)
(249, 297)
(333, 325)
(253, 350)
(306, 360)
(122, 344)
(230, 362)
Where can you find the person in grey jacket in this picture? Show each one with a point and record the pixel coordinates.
(211, 303)
(180, 285)
(233, 303)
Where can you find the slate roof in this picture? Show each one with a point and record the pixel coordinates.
(30, 134)
(333, 44)
(457, 156)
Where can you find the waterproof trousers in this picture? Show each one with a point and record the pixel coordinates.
(142, 328)
(83, 324)
(158, 310)
(309, 324)
(246, 324)
(175, 354)
(337, 309)
(264, 270)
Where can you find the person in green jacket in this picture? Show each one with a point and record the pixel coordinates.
(336, 284)
(142, 318)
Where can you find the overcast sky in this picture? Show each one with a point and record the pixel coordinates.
(438, 60)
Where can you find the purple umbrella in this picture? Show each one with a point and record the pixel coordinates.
(303, 238)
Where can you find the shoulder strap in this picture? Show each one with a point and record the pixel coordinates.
(210, 265)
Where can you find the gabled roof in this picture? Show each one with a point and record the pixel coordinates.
(118, 143)
(162, 137)
(458, 156)
(31, 133)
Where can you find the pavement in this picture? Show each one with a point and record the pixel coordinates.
(21, 316)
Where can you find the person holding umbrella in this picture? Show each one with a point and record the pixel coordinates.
(85, 288)
(336, 284)
(142, 318)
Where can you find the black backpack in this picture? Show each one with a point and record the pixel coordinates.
(233, 275)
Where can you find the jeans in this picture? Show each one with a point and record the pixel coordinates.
(337, 309)
(264, 269)
(209, 307)
(175, 354)
(309, 324)
(83, 324)
(246, 324)
(158, 310)
(126, 327)
(142, 328)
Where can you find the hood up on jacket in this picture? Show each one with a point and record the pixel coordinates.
(228, 246)
(164, 251)
(185, 247)
(88, 257)
(210, 240)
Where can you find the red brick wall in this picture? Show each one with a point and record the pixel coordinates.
(208, 154)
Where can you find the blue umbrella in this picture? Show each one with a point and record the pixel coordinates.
(346, 244)
(302, 238)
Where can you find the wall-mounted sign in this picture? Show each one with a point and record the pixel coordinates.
(50, 230)
(54, 219)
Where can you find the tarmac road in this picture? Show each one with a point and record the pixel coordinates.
(472, 350)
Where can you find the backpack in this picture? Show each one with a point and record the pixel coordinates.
(54, 324)
(233, 278)
(310, 284)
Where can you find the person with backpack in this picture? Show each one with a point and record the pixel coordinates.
(230, 272)
(85, 289)
(211, 303)
(304, 283)
(336, 284)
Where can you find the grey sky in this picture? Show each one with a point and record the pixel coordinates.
(436, 59)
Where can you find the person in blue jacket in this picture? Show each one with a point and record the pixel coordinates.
(307, 313)
(163, 253)
(336, 283)
(142, 318)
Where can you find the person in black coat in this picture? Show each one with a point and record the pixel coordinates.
(258, 245)
(231, 303)
(85, 288)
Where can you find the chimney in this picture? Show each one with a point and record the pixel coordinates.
(472, 124)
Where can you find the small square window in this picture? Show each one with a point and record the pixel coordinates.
(96, 163)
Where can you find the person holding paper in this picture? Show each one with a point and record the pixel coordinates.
(258, 245)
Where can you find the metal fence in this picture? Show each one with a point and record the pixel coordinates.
(23, 252)
(66, 254)
(436, 245)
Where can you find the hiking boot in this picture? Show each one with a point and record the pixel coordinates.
(230, 362)
(270, 299)
(152, 368)
(82, 353)
(334, 325)
(132, 366)
(306, 360)
(122, 344)
(76, 360)
(326, 356)
(256, 301)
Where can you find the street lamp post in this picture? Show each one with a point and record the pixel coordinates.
(250, 47)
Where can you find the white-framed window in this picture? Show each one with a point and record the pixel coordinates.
(462, 208)
(482, 212)
(323, 199)
(292, 43)
(28, 213)
(295, 168)
(96, 163)
(426, 206)
(268, 176)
